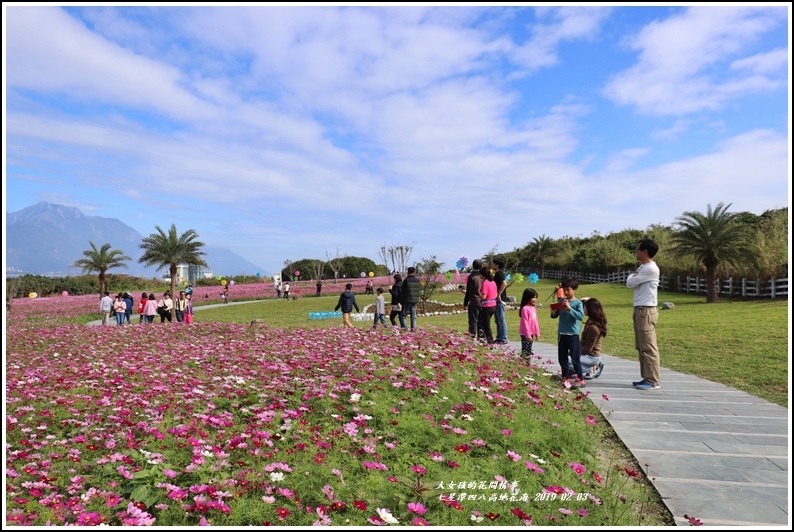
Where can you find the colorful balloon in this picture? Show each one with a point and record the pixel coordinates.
(223, 282)
(372, 274)
(363, 274)
(231, 283)
(533, 278)
(449, 276)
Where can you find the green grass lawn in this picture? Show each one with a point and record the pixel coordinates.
(742, 344)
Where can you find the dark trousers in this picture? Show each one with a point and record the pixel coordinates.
(395, 314)
(568, 345)
(486, 313)
(474, 319)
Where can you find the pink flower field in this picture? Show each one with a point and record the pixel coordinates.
(220, 424)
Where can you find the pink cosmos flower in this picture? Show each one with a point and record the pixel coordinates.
(577, 468)
(533, 467)
(582, 512)
(418, 470)
(170, 473)
(417, 508)
(566, 511)
(419, 521)
(590, 420)
(507, 432)
(513, 456)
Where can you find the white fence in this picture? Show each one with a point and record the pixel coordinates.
(768, 288)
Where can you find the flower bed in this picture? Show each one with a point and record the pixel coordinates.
(240, 425)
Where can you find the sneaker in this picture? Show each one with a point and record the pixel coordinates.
(576, 383)
(647, 385)
(635, 383)
(598, 371)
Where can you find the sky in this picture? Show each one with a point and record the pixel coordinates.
(291, 132)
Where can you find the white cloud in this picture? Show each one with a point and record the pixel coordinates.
(774, 62)
(675, 73)
(50, 51)
(559, 25)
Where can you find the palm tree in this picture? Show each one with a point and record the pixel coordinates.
(163, 249)
(540, 249)
(715, 239)
(100, 261)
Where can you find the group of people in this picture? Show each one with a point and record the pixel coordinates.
(580, 359)
(282, 289)
(404, 299)
(148, 307)
(486, 297)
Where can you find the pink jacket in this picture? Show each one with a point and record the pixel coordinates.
(529, 326)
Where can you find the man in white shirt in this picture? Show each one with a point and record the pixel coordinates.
(645, 282)
(105, 306)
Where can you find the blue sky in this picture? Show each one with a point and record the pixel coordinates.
(293, 132)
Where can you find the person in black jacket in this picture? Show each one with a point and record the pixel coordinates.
(347, 300)
(409, 296)
(471, 301)
(396, 308)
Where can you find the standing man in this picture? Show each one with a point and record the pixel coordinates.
(105, 306)
(319, 287)
(498, 265)
(286, 290)
(409, 297)
(277, 285)
(645, 282)
(471, 301)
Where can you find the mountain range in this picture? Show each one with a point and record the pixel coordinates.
(46, 239)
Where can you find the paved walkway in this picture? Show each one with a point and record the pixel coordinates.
(714, 452)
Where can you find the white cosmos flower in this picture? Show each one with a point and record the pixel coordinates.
(276, 476)
(385, 514)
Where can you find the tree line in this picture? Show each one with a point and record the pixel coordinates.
(717, 243)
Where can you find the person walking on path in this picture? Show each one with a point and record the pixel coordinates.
(319, 287)
(128, 304)
(396, 308)
(380, 310)
(570, 312)
(119, 308)
(347, 300)
(645, 282)
(150, 309)
(286, 290)
(471, 301)
(181, 306)
(105, 306)
(498, 264)
(164, 307)
(141, 306)
(409, 296)
(189, 308)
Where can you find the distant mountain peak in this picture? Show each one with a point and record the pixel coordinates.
(46, 239)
